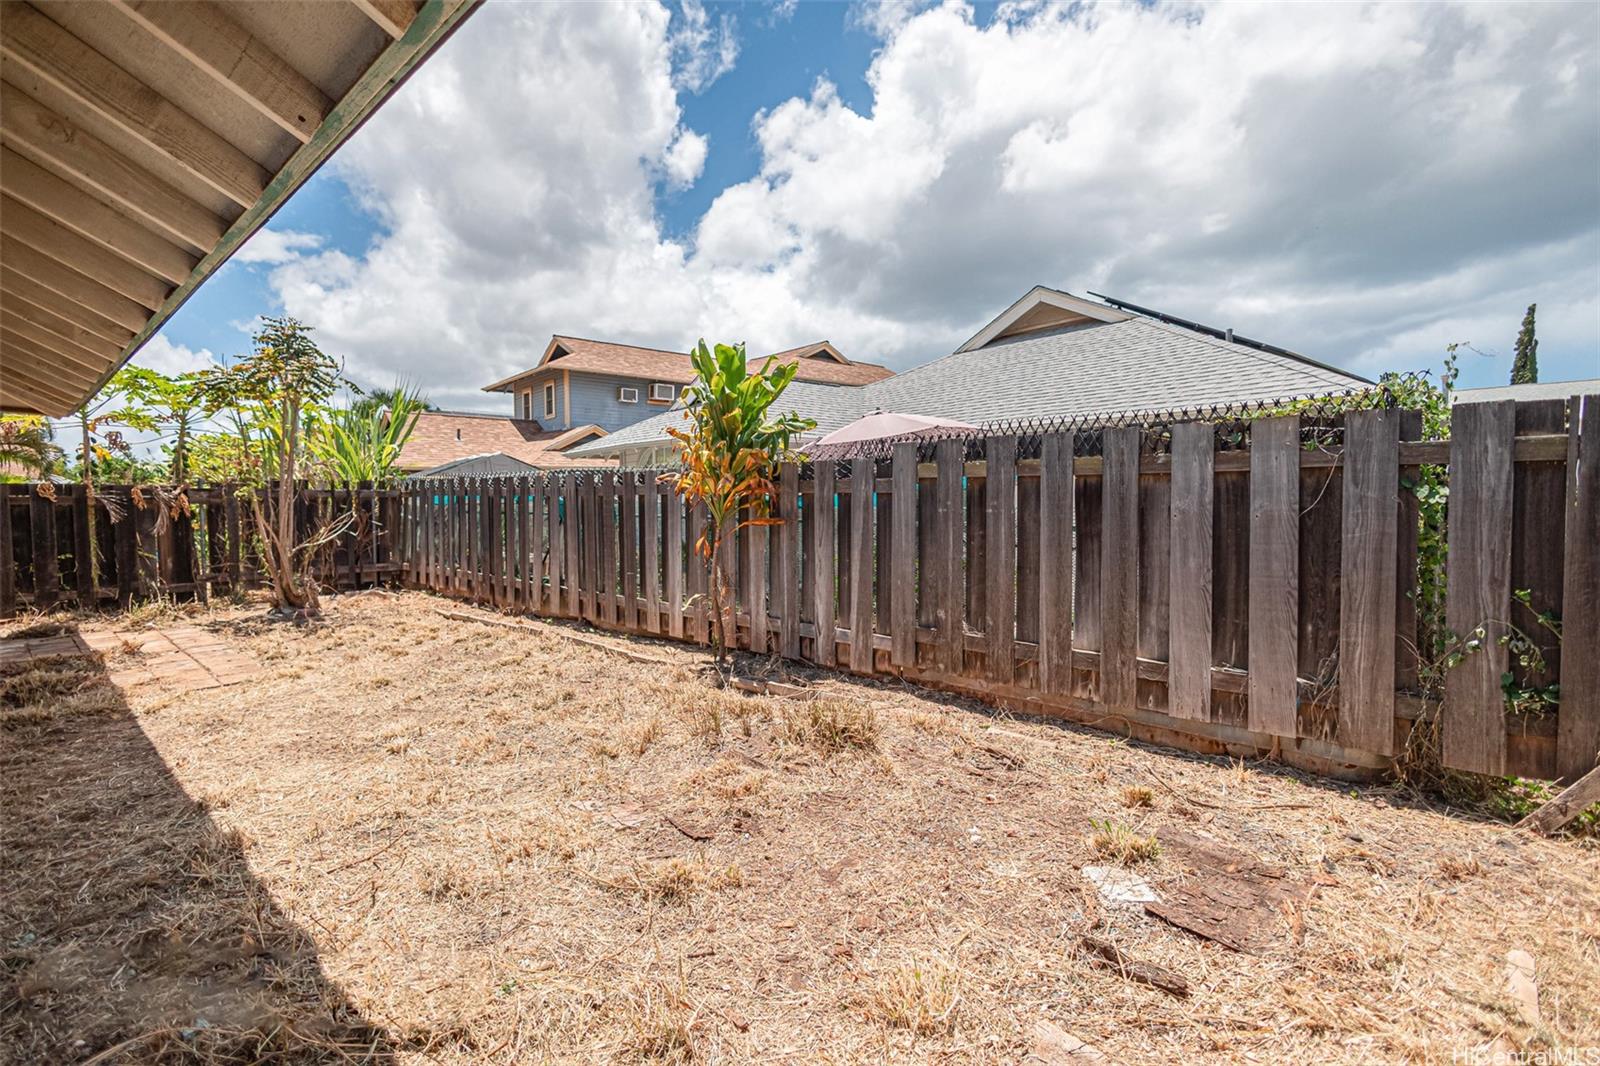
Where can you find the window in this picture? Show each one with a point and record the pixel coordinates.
(625, 394)
(527, 405)
(661, 392)
(550, 400)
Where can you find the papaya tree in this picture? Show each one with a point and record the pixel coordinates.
(731, 451)
(271, 395)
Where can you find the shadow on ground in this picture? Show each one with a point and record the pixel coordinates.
(131, 926)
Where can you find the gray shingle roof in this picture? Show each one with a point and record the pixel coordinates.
(1097, 368)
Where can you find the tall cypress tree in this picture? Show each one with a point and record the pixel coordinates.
(1525, 367)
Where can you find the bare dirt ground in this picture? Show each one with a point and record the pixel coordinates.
(416, 839)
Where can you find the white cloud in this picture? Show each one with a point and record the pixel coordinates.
(166, 357)
(1359, 183)
(703, 48)
(276, 246)
(685, 158)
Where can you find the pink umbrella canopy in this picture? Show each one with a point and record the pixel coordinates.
(883, 426)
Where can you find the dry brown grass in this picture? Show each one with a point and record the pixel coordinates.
(831, 725)
(1121, 845)
(919, 995)
(426, 841)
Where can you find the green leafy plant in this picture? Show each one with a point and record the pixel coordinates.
(152, 402)
(362, 442)
(730, 452)
(271, 395)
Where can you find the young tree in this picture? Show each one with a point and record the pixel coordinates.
(730, 453)
(1525, 366)
(152, 402)
(271, 393)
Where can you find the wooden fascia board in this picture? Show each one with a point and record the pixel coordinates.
(1040, 294)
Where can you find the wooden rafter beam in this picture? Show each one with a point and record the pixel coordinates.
(204, 33)
(30, 321)
(17, 289)
(393, 16)
(18, 393)
(61, 383)
(34, 41)
(69, 362)
(39, 269)
(55, 142)
(69, 205)
(61, 244)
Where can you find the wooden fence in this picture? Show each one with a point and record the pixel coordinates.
(1180, 585)
(1244, 588)
(187, 542)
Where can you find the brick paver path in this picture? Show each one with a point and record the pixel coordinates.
(186, 656)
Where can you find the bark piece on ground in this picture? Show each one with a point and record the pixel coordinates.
(1232, 898)
(1108, 956)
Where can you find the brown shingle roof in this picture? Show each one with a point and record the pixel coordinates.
(444, 436)
(656, 364)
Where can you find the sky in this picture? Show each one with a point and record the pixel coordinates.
(1363, 184)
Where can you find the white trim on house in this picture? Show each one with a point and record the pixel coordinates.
(549, 399)
(1036, 297)
(627, 394)
(663, 392)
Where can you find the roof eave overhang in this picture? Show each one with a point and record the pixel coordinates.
(432, 25)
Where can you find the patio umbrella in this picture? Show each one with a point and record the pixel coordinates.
(879, 427)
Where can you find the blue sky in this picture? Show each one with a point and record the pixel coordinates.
(1364, 185)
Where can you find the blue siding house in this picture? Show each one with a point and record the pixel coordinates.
(580, 382)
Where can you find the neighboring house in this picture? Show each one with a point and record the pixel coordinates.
(1053, 355)
(1534, 390)
(442, 437)
(495, 464)
(585, 382)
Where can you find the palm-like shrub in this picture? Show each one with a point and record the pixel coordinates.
(362, 442)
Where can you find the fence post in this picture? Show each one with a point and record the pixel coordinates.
(1056, 497)
(1274, 575)
(1478, 584)
(8, 564)
(822, 537)
(1578, 720)
(1119, 566)
(903, 535)
(1189, 601)
(945, 586)
(1368, 557)
(1000, 561)
(863, 477)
